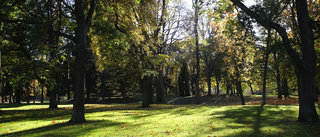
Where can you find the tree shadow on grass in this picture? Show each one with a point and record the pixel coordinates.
(253, 117)
(267, 121)
(34, 114)
(16, 105)
(64, 113)
(66, 129)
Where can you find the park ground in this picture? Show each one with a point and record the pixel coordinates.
(218, 115)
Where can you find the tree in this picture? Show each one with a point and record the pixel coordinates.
(184, 80)
(83, 24)
(304, 66)
(196, 5)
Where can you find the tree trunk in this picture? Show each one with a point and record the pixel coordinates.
(103, 86)
(231, 89)
(218, 89)
(306, 71)
(53, 97)
(42, 93)
(122, 90)
(209, 81)
(265, 68)
(11, 94)
(240, 92)
(145, 93)
(81, 57)
(18, 95)
(197, 52)
(277, 76)
(251, 89)
(227, 87)
(160, 87)
(28, 93)
(285, 88)
(151, 89)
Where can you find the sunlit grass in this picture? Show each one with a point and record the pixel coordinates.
(158, 120)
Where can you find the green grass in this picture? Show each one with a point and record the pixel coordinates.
(158, 120)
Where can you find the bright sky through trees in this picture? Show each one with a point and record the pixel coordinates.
(246, 2)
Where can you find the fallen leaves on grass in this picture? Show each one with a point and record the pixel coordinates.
(123, 126)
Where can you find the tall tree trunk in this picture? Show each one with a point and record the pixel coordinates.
(197, 51)
(306, 71)
(265, 68)
(103, 86)
(176, 84)
(83, 25)
(208, 80)
(27, 92)
(231, 89)
(5, 96)
(218, 89)
(53, 97)
(122, 90)
(151, 89)
(18, 95)
(42, 88)
(227, 87)
(11, 94)
(285, 88)
(240, 92)
(160, 87)
(277, 76)
(145, 93)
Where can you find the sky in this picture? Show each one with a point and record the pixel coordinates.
(248, 3)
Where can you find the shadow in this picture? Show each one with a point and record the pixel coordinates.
(35, 114)
(256, 119)
(64, 113)
(66, 129)
(16, 105)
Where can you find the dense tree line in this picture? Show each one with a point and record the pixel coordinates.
(87, 48)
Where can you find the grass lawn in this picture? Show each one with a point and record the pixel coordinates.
(158, 120)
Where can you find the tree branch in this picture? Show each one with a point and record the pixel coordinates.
(72, 38)
(116, 24)
(90, 14)
(69, 7)
(266, 23)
